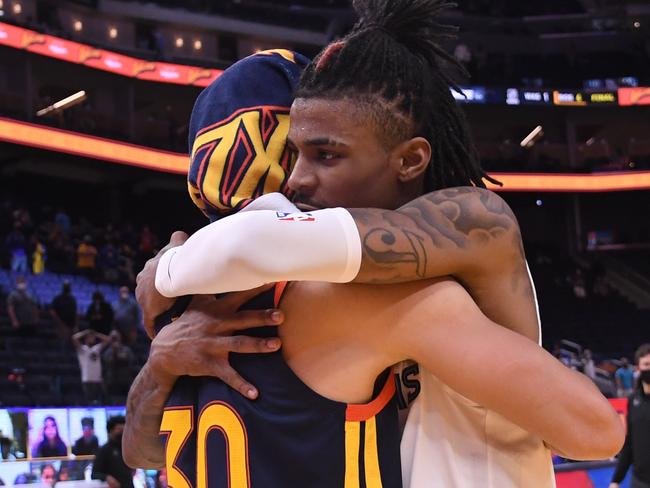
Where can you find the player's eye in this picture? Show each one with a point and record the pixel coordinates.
(326, 155)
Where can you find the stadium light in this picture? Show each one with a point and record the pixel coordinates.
(17, 8)
(112, 32)
(198, 45)
(179, 42)
(77, 25)
(530, 140)
(61, 105)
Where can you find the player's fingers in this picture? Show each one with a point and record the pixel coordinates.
(247, 319)
(178, 238)
(233, 379)
(232, 301)
(246, 344)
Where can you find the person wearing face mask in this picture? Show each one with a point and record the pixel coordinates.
(22, 308)
(636, 450)
(126, 316)
(109, 465)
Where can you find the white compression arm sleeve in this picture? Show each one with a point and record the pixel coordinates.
(249, 249)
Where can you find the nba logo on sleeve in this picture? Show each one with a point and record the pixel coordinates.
(295, 217)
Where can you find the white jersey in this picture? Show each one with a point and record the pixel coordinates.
(452, 442)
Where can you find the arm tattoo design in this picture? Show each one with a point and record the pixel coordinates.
(438, 234)
(144, 410)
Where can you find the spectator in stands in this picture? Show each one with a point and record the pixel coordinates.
(61, 252)
(17, 248)
(86, 257)
(636, 450)
(39, 256)
(90, 364)
(63, 221)
(624, 377)
(127, 315)
(64, 311)
(111, 234)
(126, 263)
(118, 362)
(87, 444)
(147, 242)
(48, 475)
(579, 286)
(109, 465)
(22, 308)
(588, 366)
(51, 444)
(100, 314)
(109, 263)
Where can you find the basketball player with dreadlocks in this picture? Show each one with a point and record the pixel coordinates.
(354, 332)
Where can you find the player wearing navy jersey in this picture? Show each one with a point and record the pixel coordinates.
(291, 436)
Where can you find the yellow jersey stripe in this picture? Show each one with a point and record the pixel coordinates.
(371, 456)
(352, 440)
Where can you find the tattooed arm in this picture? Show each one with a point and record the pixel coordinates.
(447, 232)
(141, 444)
(468, 233)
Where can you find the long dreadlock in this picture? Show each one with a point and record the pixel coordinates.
(393, 64)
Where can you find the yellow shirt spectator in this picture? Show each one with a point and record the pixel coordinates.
(86, 256)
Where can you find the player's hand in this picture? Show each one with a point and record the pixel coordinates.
(614, 485)
(152, 302)
(199, 341)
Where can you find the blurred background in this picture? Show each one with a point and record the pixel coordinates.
(95, 98)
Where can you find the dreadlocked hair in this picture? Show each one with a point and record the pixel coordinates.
(393, 64)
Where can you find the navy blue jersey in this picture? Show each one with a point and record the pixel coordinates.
(289, 437)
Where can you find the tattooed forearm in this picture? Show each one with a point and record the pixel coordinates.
(442, 233)
(141, 444)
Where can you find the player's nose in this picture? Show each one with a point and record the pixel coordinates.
(302, 180)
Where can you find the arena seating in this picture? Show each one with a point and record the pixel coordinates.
(42, 370)
(602, 321)
(44, 287)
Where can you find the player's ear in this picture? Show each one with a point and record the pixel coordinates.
(413, 156)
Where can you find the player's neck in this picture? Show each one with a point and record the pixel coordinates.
(646, 388)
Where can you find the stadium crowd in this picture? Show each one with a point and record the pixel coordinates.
(56, 242)
(86, 317)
